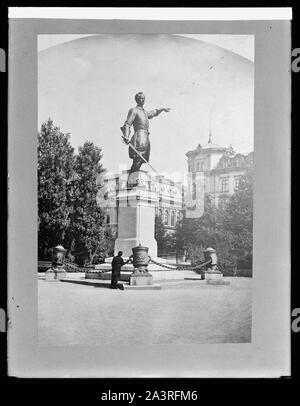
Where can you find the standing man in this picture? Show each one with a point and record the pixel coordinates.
(116, 265)
(139, 118)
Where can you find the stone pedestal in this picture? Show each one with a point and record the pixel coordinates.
(55, 274)
(136, 216)
(136, 203)
(215, 278)
(140, 279)
(209, 275)
(212, 275)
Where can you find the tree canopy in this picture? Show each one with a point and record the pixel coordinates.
(67, 189)
(55, 178)
(224, 228)
(165, 240)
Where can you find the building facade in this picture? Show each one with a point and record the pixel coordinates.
(169, 207)
(221, 168)
(171, 200)
(218, 168)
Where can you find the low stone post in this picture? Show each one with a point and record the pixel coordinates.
(212, 275)
(211, 254)
(57, 272)
(140, 275)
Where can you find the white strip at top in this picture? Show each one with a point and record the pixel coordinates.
(154, 13)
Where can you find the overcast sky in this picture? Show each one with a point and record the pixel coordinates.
(240, 44)
(87, 86)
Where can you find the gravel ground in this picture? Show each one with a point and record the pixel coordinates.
(86, 315)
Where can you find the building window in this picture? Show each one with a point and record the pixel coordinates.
(239, 162)
(237, 181)
(202, 166)
(223, 163)
(194, 186)
(224, 185)
(161, 213)
(198, 166)
(172, 218)
(166, 217)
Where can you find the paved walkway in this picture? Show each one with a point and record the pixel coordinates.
(184, 314)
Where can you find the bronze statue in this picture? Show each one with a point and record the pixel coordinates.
(139, 118)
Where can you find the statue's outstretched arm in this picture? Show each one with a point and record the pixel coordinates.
(156, 112)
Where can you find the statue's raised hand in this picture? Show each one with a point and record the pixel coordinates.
(167, 109)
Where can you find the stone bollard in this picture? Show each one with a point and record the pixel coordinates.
(212, 275)
(140, 275)
(211, 254)
(57, 272)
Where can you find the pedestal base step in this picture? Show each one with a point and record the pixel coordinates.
(93, 282)
(158, 276)
(213, 275)
(217, 282)
(126, 286)
(215, 278)
(143, 279)
(52, 275)
(156, 286)
(106, 284)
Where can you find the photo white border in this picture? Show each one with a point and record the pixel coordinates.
(268, 355)
(154, 13)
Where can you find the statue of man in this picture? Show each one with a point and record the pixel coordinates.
(139, 118)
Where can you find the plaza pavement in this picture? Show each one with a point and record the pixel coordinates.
(73, 314)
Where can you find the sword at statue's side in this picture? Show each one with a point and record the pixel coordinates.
(127, 142)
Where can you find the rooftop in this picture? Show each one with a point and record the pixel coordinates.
(211, 146)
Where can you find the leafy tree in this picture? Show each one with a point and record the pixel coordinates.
(170, 242)
(55, 178)
(238, 214)
(88, 235)
(200, 232)
(165, 240)
(159, 233)
(67, 208)
(224, 228)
